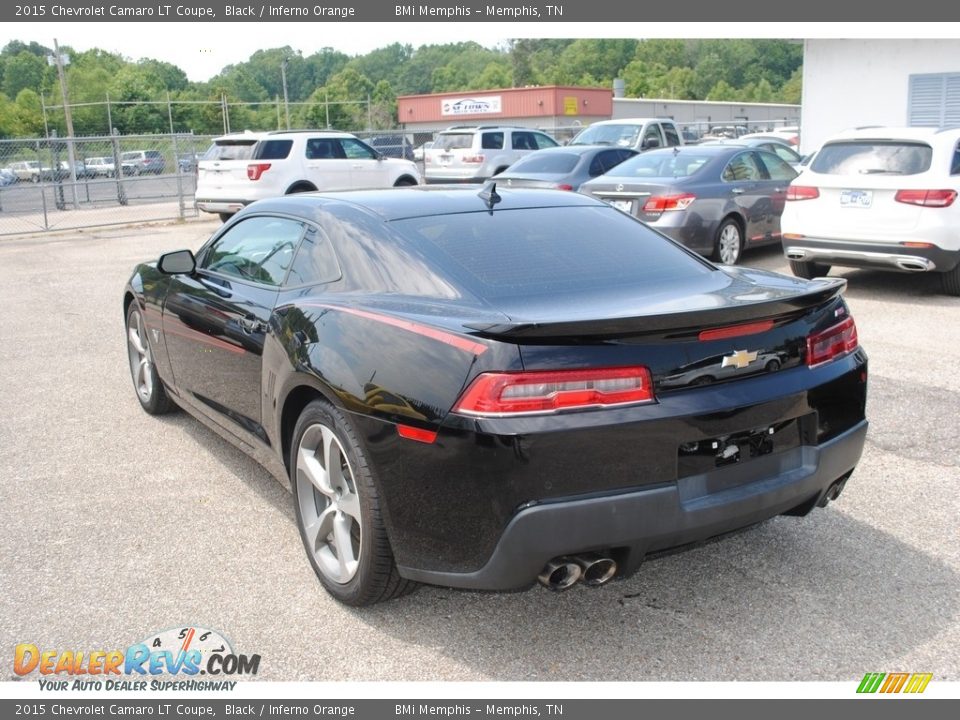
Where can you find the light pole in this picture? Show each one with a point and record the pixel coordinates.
(61, 60)
(286, 101)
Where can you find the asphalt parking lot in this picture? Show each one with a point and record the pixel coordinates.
(119, 524)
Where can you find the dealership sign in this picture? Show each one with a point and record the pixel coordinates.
(487, 105)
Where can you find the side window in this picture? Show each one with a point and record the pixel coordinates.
(323, 149)
(523, 140)
(742, 167)
(259, 249)
(673, 137)
(782, 152)
(543, 141)
(652, 138)
(315, 262)
(356, 150)
(955, 163)
(275, 149)
(491, 141)
(776, 167)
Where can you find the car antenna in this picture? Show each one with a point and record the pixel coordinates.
(489, 194)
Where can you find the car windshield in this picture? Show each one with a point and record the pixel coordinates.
(873, 157)
(620, 135)
(555, 250)
(230, 150)
(552, 163)
(454, 141)
(661, 165)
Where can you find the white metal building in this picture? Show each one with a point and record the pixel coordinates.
(852, 83)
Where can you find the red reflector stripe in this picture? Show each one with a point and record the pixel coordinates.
(457, 341)
(736, 330)
(411, 433)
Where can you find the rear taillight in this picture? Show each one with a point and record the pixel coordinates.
(802, 192)
(473, 159)
(545, 392)
(664, 203)
(255, 170)
(926, 198)
(832, 343)
(563, 186)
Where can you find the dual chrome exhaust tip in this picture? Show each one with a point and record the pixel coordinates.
(592, 569)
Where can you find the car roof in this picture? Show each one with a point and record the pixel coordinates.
(631, 121)
(424, 200)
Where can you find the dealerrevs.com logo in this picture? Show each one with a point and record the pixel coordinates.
(185, 652)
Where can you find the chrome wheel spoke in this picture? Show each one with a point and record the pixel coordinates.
(135, 341)
(346, 561)
(316, 474)
(349, 503)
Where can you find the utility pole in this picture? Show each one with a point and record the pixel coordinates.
(71, 154)
(286, 101)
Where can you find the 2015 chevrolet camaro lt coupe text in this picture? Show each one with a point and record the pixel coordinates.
(483, 389)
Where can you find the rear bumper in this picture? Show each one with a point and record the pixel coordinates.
(222, 206)
(882, 256)
(633, 524)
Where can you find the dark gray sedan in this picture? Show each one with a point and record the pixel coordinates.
(715, 199)
(563, 168)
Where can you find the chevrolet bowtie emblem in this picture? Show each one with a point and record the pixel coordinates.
(739, 359)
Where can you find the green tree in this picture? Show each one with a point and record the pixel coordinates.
(23, 70)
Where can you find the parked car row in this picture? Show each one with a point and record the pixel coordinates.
(133, 162)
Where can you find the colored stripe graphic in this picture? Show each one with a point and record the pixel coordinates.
(918, 682)
(870, 682)
(895, 682)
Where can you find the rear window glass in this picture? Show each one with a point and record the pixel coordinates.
(660, 165)
(545, 163)
(273, 150)
(453, 141)
(510, 253)
(872, 157)
(230, 150)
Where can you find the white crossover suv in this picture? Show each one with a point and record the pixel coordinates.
(241, 168)
(881, 198)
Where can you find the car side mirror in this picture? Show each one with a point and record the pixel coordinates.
(179, 262)
(650, 143)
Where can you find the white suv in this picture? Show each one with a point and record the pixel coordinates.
(880, 198)
(469, 153)
(242, 168)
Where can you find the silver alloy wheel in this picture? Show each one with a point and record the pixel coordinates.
(329, 505)
(729, 244)
(141, 360)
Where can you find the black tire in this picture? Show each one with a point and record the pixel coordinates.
(951, 281)
(728, 243)
(808, 270)
(366, 573)
(146, 382)
(405, 182)
(225, 216)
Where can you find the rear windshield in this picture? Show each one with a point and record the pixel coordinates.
(453, 141)
(546, 163)
(536, 251)
(661, 165)
(230, 150)
(620, 135)
(872, 157)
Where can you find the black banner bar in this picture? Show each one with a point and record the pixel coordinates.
(556, 11)
(477, 709)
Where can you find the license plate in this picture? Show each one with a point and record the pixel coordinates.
(856, 198)
(623, 205)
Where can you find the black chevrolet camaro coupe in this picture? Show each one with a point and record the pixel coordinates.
(483, 389)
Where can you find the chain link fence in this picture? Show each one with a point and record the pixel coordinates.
(54, 184)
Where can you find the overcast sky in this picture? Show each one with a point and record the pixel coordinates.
(203, 49)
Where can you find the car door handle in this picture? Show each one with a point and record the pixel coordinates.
(219, 289)
(779, 189)
(737, 191)
(251, 325)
